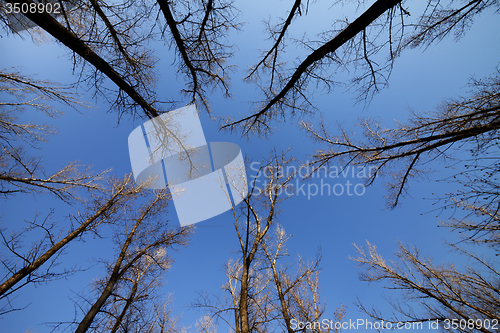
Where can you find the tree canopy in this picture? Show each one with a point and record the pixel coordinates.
(117, 51)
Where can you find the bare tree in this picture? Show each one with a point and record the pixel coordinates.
(469, 123)
(110, 37)
(107, 41)
(270, 60)
(129, 65)
(144, 240)
(292, 92)
(357, 45)
(20, 172)
(458, 297)
(262, 294)
(297, 292)
(464, 301)
(198, 30)
(101, 208)
(463, 135)
(206, 325)
(21, 92)
(98, 201)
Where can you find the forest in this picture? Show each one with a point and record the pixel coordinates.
(364, 141)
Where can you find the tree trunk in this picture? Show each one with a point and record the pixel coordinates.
(245, 327)
(117, 273)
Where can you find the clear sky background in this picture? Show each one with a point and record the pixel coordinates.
(420, 80)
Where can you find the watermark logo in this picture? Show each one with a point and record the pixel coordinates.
(311, 181)
(17, 13)
(205, 179)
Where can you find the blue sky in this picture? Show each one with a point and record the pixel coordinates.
(420, 80)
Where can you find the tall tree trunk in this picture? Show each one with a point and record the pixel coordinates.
(117, 273)
(245, 327)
